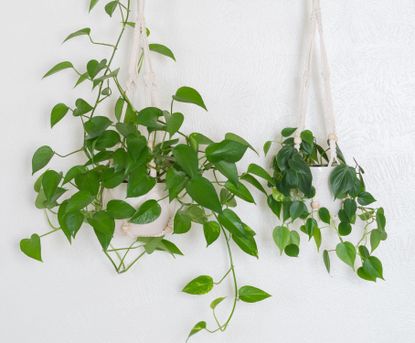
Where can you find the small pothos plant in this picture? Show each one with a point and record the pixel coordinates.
(290, 193)
(120, 144)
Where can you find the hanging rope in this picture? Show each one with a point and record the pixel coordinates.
(140, 57)
(330, 121)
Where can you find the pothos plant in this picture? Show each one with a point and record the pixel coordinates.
(290, 197)
(141, 148)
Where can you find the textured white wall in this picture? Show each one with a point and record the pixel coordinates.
(244, 57)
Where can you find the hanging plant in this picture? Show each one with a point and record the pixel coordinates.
(293, 201)
(314, 190)
(140, 170)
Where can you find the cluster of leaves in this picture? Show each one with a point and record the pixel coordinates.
(140, 149)
(291, 190)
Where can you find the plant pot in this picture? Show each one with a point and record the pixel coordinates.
(324, 196)
(160, 227)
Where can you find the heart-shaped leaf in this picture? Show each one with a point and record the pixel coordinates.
(346, 251)
(32, 247)
(41, 158)
(57, 114)
(148, 212)
(201, 285)
(250, 294)
(162, 49)
(189, 95)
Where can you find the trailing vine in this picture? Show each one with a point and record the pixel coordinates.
(140, 149)
(290, 197)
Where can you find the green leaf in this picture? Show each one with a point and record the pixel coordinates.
(350, 207)
(148, 212)
(50, 183)
(281, 236)
(250, 294)
(149, 117)
(371, 269)
(104, 227)
(307, 136)
(375, 238)
(187, 159)
(363, 252)
(73, 172)
(292, 250)
(324, 215)
(92, 4)
(246, 242)
(346, 251)
(94, 67)
(202, 191)
(175, 182)
(59, 67)
(82, 32)
(266, 147)
(182, 223)
(240, 191)
(174, 123)
(317, 237)
(88, 182)
(140, 183)
(189, 95)
(201, 285)
(79, 200)
(197, 328)
(230, 220)
(82, 107)
(345, 229)
(120, 209)
(342, 180)
(169, 247)
(41, 158)
(107, 140)
(216, 302)
(119, 107)
(162, 49)
(254, 182)
(380, 219)
(297, 209)
(96, 126)
(111, 7)
(31, 247)
(288, 131)
(227, 150)
(58, 112)
(261, 172)
(365, 198)
(233, 137)
(83, 77)
(211, 231)
(228, 169)
(326, 259)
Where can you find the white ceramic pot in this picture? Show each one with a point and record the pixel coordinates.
(160, 227)
(324, 196)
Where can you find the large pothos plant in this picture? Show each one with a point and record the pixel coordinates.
(289, 195)
(141, 147)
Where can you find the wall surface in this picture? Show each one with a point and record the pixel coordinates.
(244, 57)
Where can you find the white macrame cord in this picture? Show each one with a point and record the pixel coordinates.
(140, 57)
(140, 61)
(317, 26)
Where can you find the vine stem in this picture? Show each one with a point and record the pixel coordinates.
(114, 51)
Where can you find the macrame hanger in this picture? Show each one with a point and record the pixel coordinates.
(317, 26)
(141, 54)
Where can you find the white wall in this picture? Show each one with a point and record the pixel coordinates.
(244, 57)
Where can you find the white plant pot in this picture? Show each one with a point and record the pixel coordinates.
(324, 197)
(160, 227)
